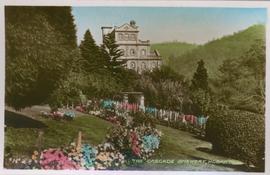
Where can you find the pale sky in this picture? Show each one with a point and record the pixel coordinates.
(161, 24)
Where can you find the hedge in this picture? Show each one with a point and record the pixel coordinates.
(238, 134)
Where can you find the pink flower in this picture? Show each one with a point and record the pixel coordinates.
(55, 159)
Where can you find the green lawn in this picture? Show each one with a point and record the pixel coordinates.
(180, 146)
(23, 141)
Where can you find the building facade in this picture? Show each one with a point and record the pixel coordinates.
(136, 52)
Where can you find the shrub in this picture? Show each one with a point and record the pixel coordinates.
(238, 134)
(140, 118)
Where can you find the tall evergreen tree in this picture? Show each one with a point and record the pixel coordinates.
(200, 77)
(200, 95)
(112, 52)
(92, 59)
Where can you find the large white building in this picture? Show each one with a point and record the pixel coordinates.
(137, 53)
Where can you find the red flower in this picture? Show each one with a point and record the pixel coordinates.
(136, 150)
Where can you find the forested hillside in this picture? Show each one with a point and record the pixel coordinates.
(170, 50)
(215, 52)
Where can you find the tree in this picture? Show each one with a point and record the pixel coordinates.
(37, 57)
(200, 90)
(254, 61)
(241, 84)
(201, 102)
(163, 88)
(165, 73)
(112, 53)
(62, 20)
(68, 91)
(92, 59)
(200, 77)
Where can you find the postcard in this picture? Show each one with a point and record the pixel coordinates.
(152, 87)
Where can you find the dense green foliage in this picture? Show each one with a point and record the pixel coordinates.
(238, 134)
(172, 50)
(200, 77)
(215, 52)
(241, 84)
(62, 20)
(111, 52)
(104, 75)
(143, 119)
(200, 92)
(92, 60)
(37, 55)
(163, 88)
(68, 92)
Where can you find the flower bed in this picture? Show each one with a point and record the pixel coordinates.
(138, 142)
(58, 115)
(127, 140)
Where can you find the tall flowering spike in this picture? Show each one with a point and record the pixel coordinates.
(79, 142)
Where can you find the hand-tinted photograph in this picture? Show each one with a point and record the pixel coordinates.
(135, 88)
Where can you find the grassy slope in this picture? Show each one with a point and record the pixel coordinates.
(216, 51)
(180, 145)
(22, 141)
(175, 144)
(172, 49)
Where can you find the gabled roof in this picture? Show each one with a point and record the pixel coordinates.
(126, 27)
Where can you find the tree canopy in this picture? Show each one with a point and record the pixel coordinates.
(200, 77)
(37, 56)
(92, 58)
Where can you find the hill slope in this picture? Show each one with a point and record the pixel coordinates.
(172, 49)
(215, 52)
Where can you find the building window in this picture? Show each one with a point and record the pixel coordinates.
(133, 65)
(132, 52)
(126, 52)
(126, 37)
(143, 52)
(143, 66)
(154, 65)
(132, 37)
(120, 36)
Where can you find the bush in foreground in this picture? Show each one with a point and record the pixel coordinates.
(238, 134)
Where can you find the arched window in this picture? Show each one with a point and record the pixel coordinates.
(132, 52)
(133, 65)
(143, 52)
